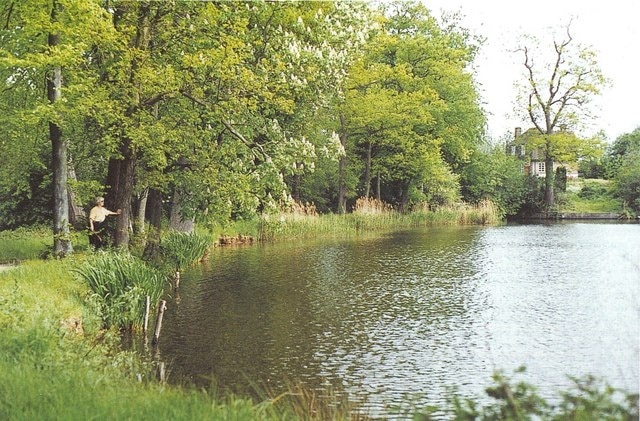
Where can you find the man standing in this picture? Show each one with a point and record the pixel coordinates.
(97, 215)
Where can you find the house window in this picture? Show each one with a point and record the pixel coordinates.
(513, 149)
(541, 167)
(522, 150)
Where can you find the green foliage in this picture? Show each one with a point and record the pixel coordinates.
(621, 165)
(560, 179)
(592, 399)
(618, 150)
(533, 201)
(497, 177)
(628, 180)
(180, 249)
(23, 243)
(584, 196)
(411, 111)
(591, 190)
(120, 284)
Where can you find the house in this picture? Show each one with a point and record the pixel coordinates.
(533, 160)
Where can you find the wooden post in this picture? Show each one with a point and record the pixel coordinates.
(177, 280)
(147, 304)
(161, 309)
(161, 372)
(145, 325)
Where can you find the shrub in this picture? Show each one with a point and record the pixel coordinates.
(590, 399)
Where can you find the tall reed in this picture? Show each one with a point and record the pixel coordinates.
(181, 249)
(120, 283)
(371, 215)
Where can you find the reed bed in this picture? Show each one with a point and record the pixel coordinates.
(181, 249)
(120, 283)
(371, 215)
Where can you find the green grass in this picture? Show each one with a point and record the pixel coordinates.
(34, 243)
(119, 284)
(589, 196)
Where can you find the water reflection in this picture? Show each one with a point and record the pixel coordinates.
(412, 313)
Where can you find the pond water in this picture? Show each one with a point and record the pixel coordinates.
(405, 316)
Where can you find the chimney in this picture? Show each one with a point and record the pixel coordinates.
(517, 133)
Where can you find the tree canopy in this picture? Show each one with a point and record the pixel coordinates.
(202, 112)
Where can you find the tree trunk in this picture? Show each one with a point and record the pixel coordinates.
(154, 214)
(367, 171)
(177, 221)
(142, 210)
(121, 176)
(77, 217)
(295, 187)
(548, 179)
(404, 197)
(120, 180)
(61, 240)
(342, 166)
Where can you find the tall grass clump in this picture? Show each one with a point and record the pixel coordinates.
(120, 284)
(180, 249)
(484, 212)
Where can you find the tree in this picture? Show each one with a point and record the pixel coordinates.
(495, 176)
(412, 112)
(618, 150)
(37, 44)
(554, 96)
(621, 164)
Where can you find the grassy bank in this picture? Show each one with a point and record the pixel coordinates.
(589, 196)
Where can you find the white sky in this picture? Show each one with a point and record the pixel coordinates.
(611, 27)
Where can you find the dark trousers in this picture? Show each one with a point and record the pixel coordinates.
(95, 237)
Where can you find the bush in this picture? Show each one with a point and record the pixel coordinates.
(592, 190)
(590, 399)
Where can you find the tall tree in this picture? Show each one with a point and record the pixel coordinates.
(39, 40)
(59, 146)
(412, 109)
(555, 94)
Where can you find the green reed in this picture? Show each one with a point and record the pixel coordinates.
(180, 249)
(120, 284)
(371, 219)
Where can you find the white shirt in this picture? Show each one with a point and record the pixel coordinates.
(98, 213)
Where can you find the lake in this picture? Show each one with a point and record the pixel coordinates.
(405, 316)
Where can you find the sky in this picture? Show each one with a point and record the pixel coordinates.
(610, 27)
